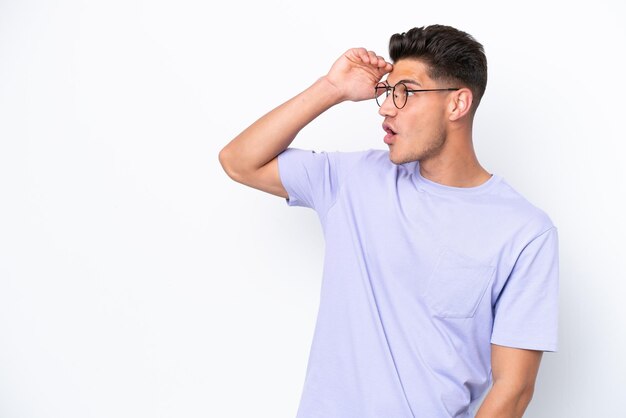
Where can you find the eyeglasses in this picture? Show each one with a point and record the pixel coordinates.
(400, 93)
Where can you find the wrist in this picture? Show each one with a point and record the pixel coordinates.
(330, 90)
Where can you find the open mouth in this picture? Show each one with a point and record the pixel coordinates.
(390, 134)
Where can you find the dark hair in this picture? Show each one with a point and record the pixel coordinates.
(450, 55)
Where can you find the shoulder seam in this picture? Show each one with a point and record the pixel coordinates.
(533, 239)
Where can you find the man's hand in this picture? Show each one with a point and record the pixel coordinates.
(356, 73)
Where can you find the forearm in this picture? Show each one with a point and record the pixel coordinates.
(272, 133)
(505, 401)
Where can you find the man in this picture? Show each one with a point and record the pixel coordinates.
(439, 278)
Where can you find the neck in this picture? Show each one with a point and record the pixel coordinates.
(456, 165)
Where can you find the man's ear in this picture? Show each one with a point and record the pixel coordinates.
(460, 104)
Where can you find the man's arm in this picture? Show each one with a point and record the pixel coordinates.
(272, 133)
(247, 158)
(514, 373)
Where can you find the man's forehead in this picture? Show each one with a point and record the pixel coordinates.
(408, 71)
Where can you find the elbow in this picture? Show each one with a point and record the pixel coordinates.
(523, 401)
(225, 162)
(222, 157)
(510, 398)
(521, 397)
(527, 395)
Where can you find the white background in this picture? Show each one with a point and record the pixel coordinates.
(138, 280)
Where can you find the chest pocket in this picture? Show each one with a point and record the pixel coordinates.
(457, 285)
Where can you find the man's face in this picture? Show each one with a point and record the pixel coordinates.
(418, 130)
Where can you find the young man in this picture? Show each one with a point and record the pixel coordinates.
(439, 278)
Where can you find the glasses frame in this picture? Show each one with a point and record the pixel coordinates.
(408, 90)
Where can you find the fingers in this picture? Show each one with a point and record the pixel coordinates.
(363, 55)
(370, 57)
(384, 65)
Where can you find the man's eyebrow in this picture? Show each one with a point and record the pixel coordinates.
(406, 81)
(409, 81)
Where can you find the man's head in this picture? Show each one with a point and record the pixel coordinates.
(433, 57)
(451, 56)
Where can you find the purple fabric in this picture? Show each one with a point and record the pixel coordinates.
(419, 279)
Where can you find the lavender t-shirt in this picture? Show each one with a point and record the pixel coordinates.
(419, 279)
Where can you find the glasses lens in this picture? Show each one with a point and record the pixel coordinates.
(399, 95)
(381, 93)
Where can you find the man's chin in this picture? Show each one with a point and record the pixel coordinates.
(397, 158)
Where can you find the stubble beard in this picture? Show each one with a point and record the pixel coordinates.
(433, 148)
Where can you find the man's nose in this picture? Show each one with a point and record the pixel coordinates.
(387, 108)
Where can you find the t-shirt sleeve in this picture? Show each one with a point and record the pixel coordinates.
(313, 179)
(526, 313)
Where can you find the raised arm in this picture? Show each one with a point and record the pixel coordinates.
(250, 158)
